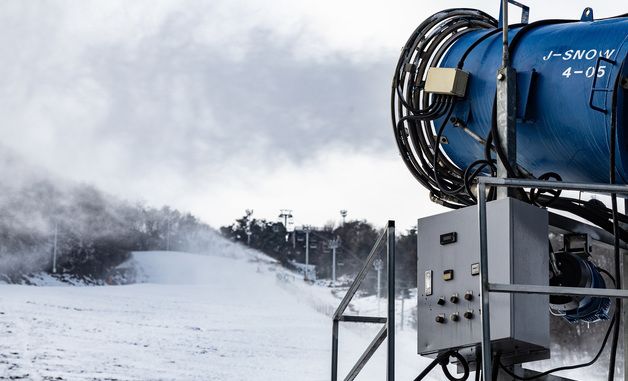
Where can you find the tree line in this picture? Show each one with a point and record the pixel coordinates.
(90, 231)
(356, 238)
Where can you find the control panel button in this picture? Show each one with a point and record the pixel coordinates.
(440, 318)
(468, 296)
(454, 317)
(468, 315)
(441, 301)
(454, 298)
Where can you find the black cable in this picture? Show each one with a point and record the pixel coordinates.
(414, 111)
(443, 360)
(465, 368)
(568, 367)
(535, 193)
(608, 274)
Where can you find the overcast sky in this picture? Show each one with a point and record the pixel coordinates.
(217, 106)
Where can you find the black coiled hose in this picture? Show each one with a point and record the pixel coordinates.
(413, 111)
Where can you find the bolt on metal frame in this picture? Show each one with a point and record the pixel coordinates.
(388, 330)
(487, 287)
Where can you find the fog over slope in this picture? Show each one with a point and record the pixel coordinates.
(93, 231)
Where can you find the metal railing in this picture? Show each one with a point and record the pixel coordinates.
(387, 331)
(487, 287)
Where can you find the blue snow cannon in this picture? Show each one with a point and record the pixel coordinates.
(572, 107)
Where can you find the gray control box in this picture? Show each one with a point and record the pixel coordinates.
(449, 308)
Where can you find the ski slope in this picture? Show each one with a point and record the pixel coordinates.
(194, 317)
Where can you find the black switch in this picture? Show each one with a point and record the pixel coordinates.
(440, 319)
(468, 315)
(468, 296)
(448, 238)
(454, 317)
(454, 298)
(441, 301)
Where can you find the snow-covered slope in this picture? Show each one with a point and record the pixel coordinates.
(196, 317)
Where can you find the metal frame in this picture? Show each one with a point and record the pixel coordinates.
(525, 12)
(487, 287)
(388, 330)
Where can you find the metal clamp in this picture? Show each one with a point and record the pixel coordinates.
(595, 89)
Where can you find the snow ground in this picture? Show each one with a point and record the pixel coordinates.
(196, 317)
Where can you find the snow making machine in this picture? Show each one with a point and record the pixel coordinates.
(508, 126)
(500, 122)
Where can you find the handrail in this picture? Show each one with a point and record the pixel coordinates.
(359, 278)
(387, 331)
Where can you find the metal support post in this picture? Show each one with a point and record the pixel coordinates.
(390, 364)
(624, 310)
(506, 110)
(334, 350)
(401, 317)
(168, 234)
(334, 244)
(54, 250)
(343, 214)
(286, 214)
(307, 252)
(487, 354)
(333, 269)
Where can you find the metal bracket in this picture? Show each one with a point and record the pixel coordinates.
(525, 13)
(587, 14)
(526, 81)
(602, 89)
(577, 244)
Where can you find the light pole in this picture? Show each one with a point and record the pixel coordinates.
(379, 265)
(248, 232)
(285, 214)
(343, 213)
(54, 249)
(306, 229)
(333, 244)
(248, 235)
(168, 233)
